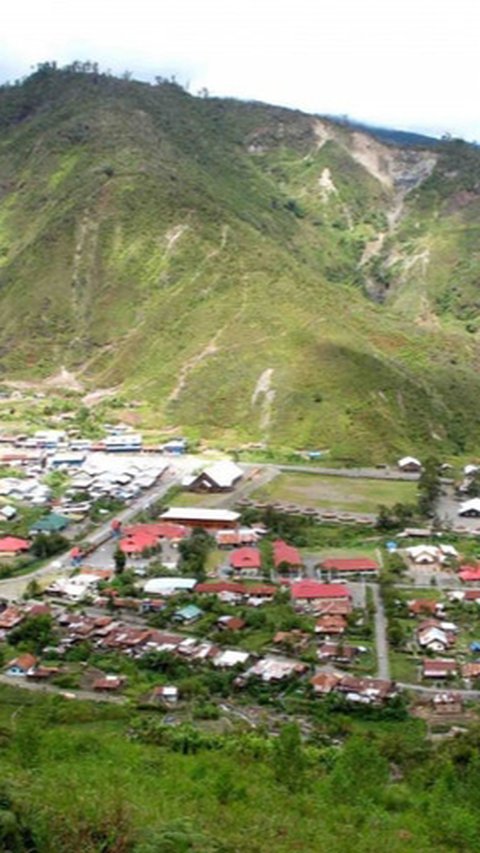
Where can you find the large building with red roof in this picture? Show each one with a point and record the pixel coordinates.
(310, 592)
(141, 537)
(345, 567)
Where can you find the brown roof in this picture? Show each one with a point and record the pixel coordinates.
(438, 668)
(232, 623)
(422, 605)
(336, 650)
(325, 682)
(107, 683)
(471, 670)
(11, 617)
(378, 687)
(44, 672)
(330, 624)
(24, 661)
(334, 608)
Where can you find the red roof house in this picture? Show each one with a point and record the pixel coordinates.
(108, 682)
(330, 625)
(12, 546)
(439, 668)
(261, 590)
(286, 554)
(246, 558)
(469, 574)
(423, 607)
(325, 682)
(311, 591)
(21, 665)
(472, 595)
(11, 617)
(349, 566)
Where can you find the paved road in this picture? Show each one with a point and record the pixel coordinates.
(13, 588)
(380, 634)
(418, 688)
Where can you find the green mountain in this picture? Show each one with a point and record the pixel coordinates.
(249, 273)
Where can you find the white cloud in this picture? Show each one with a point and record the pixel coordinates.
(409, 63)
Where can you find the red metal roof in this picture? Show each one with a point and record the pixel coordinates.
(261, 589)
(220, 586)
(313, 589)
(12, 544)
(158, 529)
(283, 553)
(351, 564)
(438, 666)
(469, 574)
(246, 558)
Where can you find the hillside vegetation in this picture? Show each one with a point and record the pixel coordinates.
(246, 272)
(106, 779)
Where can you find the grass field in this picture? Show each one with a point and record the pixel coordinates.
(403, 667)
(342, 493)
(192, 499)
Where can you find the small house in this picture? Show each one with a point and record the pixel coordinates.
(189, 613)
(165, 693)
(246, 562)
(230, 623)
(51, 523)
(338, 567)
(330, 624)
(286, 556)
(409, 465)
(22, 666)
(438, 668)
(470, 509)
(109, 683)
(12, 546)
(221, 477)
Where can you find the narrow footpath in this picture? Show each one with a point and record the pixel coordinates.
(380, 634)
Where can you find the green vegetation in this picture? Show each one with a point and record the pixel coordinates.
(354, 493)
(188, 251)
(136, 785)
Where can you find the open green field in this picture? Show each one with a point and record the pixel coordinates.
(337, 493)
(193, 499)
(403, 667)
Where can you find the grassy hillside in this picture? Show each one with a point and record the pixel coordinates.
(211, 259)
(108, 780)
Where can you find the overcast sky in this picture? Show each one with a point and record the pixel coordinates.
(411, 64)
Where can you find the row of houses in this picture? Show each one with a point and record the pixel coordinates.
(366, 691)
(108, 634)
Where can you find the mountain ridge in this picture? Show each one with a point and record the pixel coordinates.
(247, 272)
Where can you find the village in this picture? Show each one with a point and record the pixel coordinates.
(186, 586)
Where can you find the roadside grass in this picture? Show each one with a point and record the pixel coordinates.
(319, 491)
(403, 667)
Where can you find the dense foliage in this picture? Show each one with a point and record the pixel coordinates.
(136, 785)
